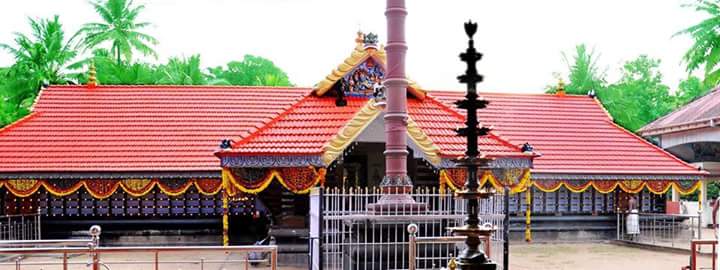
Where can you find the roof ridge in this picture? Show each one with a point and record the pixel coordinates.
(19, 121)
(654, 147)
(462, 117)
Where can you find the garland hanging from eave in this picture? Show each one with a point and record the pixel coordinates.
(455, 178)
(658, 187)
(104, 188)
(298, 180)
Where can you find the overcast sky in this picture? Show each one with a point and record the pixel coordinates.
(521, 40)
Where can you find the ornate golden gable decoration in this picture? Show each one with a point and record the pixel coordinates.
(360, 54)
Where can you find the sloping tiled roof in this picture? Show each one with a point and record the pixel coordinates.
(137, 128)
(308, 126)
(302, 130)
(438, 122)
(574, 134)
(178, 128)
(703, 112)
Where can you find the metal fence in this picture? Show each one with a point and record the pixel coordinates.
(20, 227)
(353, 238)
(665, 230)
(68, 254)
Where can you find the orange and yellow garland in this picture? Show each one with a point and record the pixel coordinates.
(298, 180)
(104, 188)
(455, 178)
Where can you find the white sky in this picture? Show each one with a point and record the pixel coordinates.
(521, 40)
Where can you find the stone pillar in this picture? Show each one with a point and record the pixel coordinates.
(396, 184)
(396, 113)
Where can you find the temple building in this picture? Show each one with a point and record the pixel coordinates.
(203, 160)
(692, 134)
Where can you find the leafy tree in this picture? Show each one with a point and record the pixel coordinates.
(585, 75)
(252, 70)
(113, 73)
(689, 89)
(705, 52)
(639, 96)
(44, 54)
(179, 71)
(119, 29)
(41, 57)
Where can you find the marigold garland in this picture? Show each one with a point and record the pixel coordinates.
(298, 180)
(104, 188)
(450, 179)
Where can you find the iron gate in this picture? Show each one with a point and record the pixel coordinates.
(348, 237)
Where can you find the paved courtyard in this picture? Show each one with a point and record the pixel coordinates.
(595, 256)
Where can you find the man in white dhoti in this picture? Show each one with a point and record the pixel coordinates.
(632, 223)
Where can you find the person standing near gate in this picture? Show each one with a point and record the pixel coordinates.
(633, 219)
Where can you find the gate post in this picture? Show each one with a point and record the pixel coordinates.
(316, 222)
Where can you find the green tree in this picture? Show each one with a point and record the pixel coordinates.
(113, 73)
(44, 54)
(179, 71)
(41, 57)
(585, 75)
(639, 96)
(690, 89)
(119, 29)
(253, 71)
(705, 51)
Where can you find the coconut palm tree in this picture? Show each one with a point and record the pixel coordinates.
(119, 29)
(42, 57)
(44, 54)
(705, 52)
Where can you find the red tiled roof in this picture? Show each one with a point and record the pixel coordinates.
(301, 130)
(312, 122)
(137, 128)
(574, 134)
(703, 112)
(439, 121)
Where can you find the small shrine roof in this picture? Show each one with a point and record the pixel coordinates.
(573, 133)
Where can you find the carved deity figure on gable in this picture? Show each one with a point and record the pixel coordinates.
(364, 79)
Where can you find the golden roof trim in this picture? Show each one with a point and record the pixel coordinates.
(431, 151)
(352, 129)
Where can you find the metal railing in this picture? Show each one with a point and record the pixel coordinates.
(353, 238)
(66, 254)
(95, 256)
(413, 257)
(20, 227)
(694, 251)
(665, 230)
